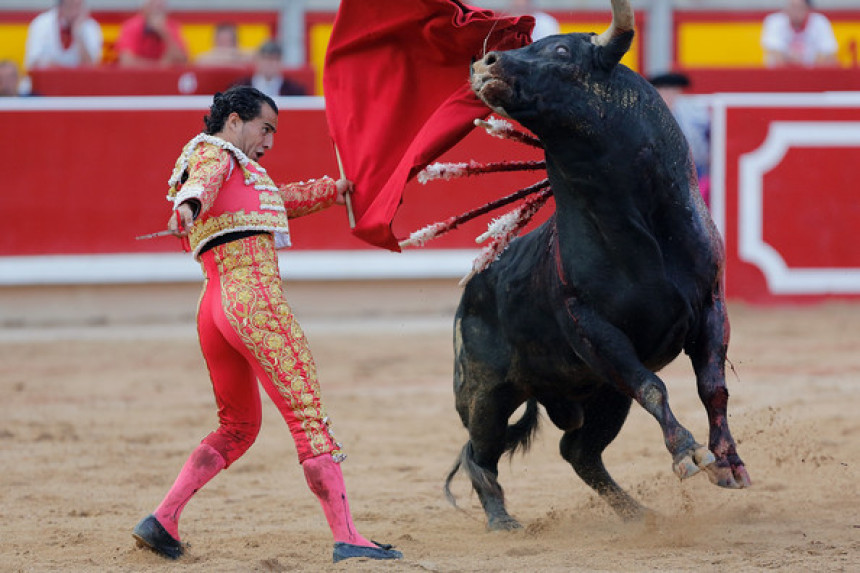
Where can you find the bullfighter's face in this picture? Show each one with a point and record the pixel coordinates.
(255, 136)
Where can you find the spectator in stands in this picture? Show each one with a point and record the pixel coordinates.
(797, 36)
(694, 120)
(269, 75)
(151, 37)
(545, 24)
(65, 36)
(226, 51)
(9, 78)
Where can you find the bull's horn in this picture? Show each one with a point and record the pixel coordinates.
(622, 21)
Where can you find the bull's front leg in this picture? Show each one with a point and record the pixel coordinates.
(707, 352)
(611, 354)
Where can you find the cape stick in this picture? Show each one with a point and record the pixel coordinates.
(346, 196)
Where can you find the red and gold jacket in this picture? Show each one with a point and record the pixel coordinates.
(234, 193)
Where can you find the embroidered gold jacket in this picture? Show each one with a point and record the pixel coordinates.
(234, 193)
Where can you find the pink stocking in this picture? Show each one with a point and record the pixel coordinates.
(325, 479)
(202, 465)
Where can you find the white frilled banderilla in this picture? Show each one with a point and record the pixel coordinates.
(501, 230)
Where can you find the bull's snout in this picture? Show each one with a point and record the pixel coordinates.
(491, 58)
(483, 65)
(488, 82)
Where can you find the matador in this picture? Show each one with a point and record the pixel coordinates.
(234, 218)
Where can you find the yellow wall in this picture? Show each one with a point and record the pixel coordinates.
(199, 38)
(848, 36)
(737, 44)
(715, 44)
(13, 43)
(318, 42)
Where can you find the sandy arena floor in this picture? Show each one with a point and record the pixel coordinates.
(105, 394)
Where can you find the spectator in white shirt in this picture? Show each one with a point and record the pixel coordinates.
(63, 36)
(797, 36)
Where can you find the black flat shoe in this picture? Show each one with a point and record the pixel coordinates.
(151, 534)
(381, 551)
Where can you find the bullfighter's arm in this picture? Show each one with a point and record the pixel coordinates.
(208, 167)
(308, 197)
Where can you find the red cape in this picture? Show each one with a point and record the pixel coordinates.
(396, 83)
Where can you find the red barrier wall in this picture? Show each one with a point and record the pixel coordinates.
(785, 194)
(751, 80)
(88, 175)
(176, 80)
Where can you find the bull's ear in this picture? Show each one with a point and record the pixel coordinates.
(612, 52)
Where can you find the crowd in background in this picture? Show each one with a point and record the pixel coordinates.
(67, 36)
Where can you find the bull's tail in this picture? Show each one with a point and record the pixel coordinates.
(518, 436)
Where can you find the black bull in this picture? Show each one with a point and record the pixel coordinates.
(579, 314)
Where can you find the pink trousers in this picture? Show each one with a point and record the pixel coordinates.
(248, 333)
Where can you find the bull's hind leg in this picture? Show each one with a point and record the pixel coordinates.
(604, 415)
(485, 402)
(707, 352)
(488, 413)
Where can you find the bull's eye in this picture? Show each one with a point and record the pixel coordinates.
(562, 50)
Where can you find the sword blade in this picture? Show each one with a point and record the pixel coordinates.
(165, 233)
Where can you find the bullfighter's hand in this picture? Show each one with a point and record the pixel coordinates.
(186, 217)
(343, 186)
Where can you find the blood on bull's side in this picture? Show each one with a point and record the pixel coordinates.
(581, 313)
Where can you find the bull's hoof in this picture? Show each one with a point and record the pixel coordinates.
(728, 475)
(627, 508)
(633, 513)
(504, 523)
(694, 462)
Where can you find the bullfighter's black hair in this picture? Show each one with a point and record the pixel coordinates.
(244, 100)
